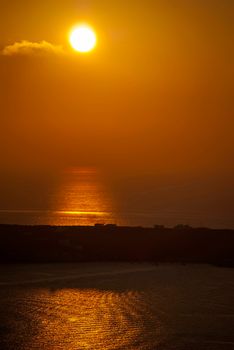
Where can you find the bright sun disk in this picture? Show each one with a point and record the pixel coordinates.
(83, 38)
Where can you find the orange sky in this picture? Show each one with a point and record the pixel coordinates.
(155, 96)
(160, 84)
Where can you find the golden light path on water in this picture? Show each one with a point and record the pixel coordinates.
(82, 199)
(116, 306)
(67, 310)
(88, 319)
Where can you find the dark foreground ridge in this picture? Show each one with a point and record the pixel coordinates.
(44, 244)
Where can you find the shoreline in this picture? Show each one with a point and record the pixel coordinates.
(102, 243)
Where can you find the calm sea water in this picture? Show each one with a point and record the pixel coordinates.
(116, 306)
(82, 196)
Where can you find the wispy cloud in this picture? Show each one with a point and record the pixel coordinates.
(25, 48)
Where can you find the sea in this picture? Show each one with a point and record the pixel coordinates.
(86, 196)
(116, 306)
(112, 306)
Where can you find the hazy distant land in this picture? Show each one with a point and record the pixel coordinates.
(182, 244)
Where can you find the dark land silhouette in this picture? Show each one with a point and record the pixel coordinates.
(50, 244)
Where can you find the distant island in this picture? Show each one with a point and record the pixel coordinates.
(55, 244)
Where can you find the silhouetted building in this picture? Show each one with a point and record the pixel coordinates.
(159, 227)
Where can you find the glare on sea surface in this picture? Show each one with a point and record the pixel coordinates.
(87, 319)
(82, 38)
(82, 199)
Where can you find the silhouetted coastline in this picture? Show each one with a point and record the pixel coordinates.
(55, 244)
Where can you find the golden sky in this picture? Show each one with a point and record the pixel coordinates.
(155, 96)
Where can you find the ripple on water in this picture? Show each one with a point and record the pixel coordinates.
(88, 319)
(168, 307)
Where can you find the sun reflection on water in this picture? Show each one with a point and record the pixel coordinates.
(82, 199)
(90, 319)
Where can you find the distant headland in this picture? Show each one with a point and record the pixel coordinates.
(55, 244)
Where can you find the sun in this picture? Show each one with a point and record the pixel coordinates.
(83, 38)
